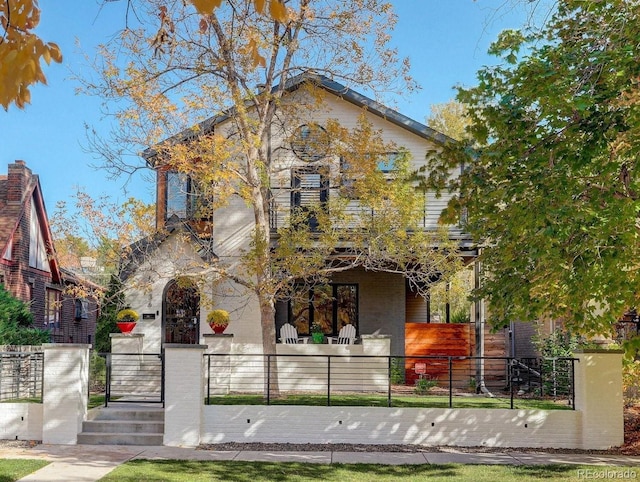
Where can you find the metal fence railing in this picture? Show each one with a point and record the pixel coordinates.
(437, 381)
(134, 377)
(21, 376)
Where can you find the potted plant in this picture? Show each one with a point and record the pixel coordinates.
(126, 320)
(218, 320)
(317, 335)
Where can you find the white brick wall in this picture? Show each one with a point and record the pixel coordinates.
(598, 380)
(65, 390)
(376, 425)
(184, 394)
(21, 421)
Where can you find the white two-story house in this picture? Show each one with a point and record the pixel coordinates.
(375, 302)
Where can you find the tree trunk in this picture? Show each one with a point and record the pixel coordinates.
(267, 321)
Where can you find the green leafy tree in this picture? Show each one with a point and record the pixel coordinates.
(552, 191)
(112, 302)
(15, 322)
(451, 119)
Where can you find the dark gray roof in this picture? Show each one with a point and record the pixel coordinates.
(337, 89)
(141, 249)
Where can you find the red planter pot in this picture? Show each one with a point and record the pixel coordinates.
(218, 330)
(126, 326)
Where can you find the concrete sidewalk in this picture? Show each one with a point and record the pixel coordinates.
(86, 463)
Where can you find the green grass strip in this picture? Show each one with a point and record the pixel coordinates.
(14, 469)
(361, 400)
(198, 471)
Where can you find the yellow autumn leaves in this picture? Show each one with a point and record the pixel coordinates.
(21, 51)
(277, 10)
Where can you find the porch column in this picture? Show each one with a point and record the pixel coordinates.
(598, 391)
(184, 394)
(65, 392)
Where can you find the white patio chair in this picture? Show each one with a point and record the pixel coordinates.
(289, 335)
(347, 336)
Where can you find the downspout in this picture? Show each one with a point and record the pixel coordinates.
(479, 323)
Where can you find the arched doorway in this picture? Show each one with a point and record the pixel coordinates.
(181, 309)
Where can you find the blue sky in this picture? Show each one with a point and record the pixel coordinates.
(446, 41)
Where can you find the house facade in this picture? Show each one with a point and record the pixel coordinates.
(374, 301)
(29, 269)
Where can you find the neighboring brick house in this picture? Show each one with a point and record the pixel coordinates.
(29, 269)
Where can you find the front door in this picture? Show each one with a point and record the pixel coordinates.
(181, 314)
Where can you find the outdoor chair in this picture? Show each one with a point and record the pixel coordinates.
(347, 336)
(289, 335)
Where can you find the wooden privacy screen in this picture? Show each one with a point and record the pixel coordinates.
(447, 339)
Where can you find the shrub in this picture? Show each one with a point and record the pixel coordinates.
(423, 385)
(397, 371)
(106, 324)
(16, 322)
(631, 381)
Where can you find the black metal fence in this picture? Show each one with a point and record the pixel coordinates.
(21, 376)
(437, 381)
(134, 377)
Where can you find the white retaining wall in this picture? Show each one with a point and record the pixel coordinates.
(595, 424)
(379, 425)
(21, 421)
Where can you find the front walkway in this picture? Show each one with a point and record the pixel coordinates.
(88, 463)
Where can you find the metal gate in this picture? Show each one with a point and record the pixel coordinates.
(134, 377)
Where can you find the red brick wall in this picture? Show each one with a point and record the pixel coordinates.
(29, 284)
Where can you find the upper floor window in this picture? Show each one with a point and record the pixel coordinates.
(180, 195)
(310, 142)
(8, 253)
(387, 162)
(37, 248)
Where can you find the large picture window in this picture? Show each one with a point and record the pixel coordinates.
(330, 306)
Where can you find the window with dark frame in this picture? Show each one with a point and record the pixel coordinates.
(309, 192)
(53, 309)
(82, 309)
(329, 306)
(179, 195)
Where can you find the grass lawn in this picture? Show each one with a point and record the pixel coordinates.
(364, 400)
(14, 469)
(196, 471)
(95, 400)
(23, 400)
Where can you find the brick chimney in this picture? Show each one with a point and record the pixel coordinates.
(18, 178)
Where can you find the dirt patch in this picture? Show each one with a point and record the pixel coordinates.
(631, 431)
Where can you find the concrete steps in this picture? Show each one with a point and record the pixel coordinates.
(124, 425)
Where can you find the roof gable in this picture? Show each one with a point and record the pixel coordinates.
(335, 88)
(143, 248)
(12, 213)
